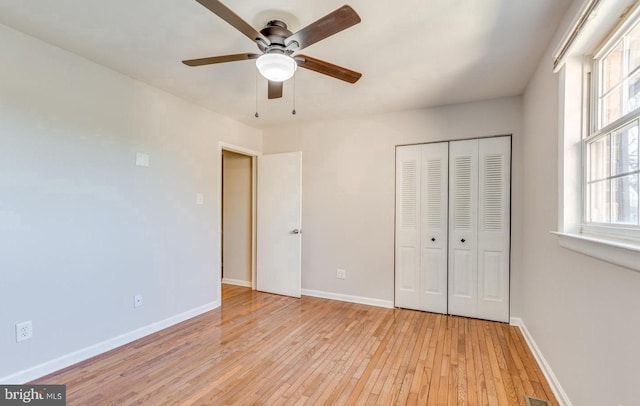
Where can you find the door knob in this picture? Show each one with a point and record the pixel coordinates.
(296, 231)
(463, 240)
(433, 239)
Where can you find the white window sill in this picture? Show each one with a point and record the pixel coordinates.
(621, 253)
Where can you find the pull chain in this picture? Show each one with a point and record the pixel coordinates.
(256, 115)
(293, 112)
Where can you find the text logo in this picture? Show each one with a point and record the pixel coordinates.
(36, 395)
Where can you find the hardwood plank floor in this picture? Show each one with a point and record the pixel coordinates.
(267, 349)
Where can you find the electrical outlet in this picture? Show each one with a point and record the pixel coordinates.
(199, 198)
(24, 331)
(341, 274)
(137, 300)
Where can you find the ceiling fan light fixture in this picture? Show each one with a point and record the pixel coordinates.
(276, 67)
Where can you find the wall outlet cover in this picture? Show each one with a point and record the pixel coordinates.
(24, 331)
(137, 300)
(341, 273)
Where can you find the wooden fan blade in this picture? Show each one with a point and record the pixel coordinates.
(220, 59)
(327, 68)
(275, 89)
(332, 23)
(233, 19)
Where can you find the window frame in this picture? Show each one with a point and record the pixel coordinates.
(594, 132)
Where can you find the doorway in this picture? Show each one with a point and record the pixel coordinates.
(237, 216)
(277, 267)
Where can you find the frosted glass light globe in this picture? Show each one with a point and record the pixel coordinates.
(276, 67)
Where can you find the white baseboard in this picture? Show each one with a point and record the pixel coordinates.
(559, 393)
(64, 361)
(237, 282)
(348, 298)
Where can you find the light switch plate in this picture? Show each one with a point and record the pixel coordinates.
(142, 159)
(199, 198)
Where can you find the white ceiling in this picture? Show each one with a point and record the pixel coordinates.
(412, 53)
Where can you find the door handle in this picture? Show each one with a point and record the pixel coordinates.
(462, 240)
(433, 239)
(296, 231)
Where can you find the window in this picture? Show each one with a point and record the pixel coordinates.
(599, 115)
(611, 150)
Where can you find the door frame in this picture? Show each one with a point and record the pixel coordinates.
(253, 154)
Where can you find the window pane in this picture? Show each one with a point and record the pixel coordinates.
(624, 150)
(624, 196)
(612, 69)
(599, 159)
(612, 106)
(599, 195)
(633, 99)
(634, 48)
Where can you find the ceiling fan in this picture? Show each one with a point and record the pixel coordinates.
(277, 61)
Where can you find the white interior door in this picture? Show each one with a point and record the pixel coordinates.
(433, 234)
(279, 222)
(494, 228)
(463, 228)
(407, 261)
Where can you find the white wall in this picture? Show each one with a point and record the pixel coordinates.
(583, 313)
(348, 169)
(82, 229)
(236, 217)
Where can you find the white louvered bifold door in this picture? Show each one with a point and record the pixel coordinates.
(453, 227)
(463, 228)
(494, 196)
(434, 197)
(407, 261)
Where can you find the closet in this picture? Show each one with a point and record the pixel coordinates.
(453, 206)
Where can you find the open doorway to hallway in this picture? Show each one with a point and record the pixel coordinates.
(237, 219)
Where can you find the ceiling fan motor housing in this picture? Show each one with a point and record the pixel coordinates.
(276, 32)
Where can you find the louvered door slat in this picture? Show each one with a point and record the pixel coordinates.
(462, 190)
(435, 176)
(493, 192)
(409, 193)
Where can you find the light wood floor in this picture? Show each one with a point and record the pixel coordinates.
(267, 349)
